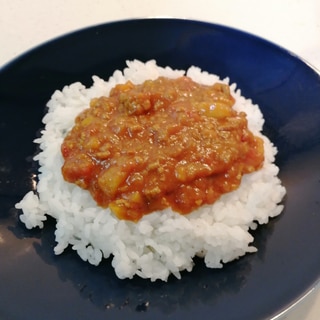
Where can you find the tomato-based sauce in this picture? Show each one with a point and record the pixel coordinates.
(164, 143)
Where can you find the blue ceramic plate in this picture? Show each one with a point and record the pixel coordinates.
(35, 284)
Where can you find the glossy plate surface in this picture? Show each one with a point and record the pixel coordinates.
(35, 284)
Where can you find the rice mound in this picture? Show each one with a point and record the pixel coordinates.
(161, 243)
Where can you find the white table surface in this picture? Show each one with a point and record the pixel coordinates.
(292, 24)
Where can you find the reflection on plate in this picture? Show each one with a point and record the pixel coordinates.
(259, 286)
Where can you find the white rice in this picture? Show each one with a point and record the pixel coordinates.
(161, 243)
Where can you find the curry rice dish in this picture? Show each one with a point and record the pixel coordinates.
(154, 167)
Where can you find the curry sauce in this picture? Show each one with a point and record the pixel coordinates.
(164, 143)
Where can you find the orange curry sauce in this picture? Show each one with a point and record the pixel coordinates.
(164, 143)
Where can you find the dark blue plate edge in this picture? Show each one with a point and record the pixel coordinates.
(247, 34)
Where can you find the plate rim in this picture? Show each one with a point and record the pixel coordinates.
(165, 18)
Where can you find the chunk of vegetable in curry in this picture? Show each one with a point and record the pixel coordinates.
(164, 143)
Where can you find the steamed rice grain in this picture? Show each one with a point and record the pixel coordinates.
(161, 243)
